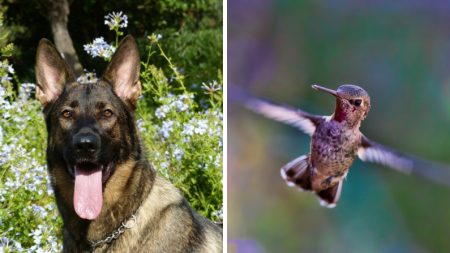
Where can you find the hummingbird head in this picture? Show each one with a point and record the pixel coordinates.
(352, 103)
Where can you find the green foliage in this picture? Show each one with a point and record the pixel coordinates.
(185, 146)
(192, 31)
(197, 48)
(8, 49)
(28, 217)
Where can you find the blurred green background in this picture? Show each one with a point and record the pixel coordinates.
(399, 52)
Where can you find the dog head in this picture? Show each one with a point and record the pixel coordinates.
(91, 127)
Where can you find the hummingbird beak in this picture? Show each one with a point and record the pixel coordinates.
(332, 92)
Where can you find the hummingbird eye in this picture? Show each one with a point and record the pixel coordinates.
(358, 102)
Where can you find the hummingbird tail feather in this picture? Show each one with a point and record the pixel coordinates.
(296, 173)
(329, 197)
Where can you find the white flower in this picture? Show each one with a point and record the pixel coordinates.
(5, 79)
(201, 126)
(35, 232)
(213, 87)
(217, 160)
(154, 38)
(180, 106)
(161, 111)
(188, 129)
(25, 91)
(167, 127)
(115, 19)
(99, 48)
(219, 213)
(140, 125)
(199, 130)
(178, 153)
(202, 123)
(9, 183)
(88, 77)
(183, 96)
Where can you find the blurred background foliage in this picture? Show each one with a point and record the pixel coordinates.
(399, 52)
(191, 30)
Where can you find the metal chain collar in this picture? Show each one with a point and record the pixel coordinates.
(120, 230)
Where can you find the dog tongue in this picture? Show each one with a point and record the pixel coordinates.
(87, 198)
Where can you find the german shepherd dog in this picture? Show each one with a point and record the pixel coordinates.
(109, 196)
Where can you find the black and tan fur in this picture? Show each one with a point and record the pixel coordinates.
(166, 222)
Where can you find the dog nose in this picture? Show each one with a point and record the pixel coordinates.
(85, 144)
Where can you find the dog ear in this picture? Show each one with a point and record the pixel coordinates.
(123, 71)
(52, 73)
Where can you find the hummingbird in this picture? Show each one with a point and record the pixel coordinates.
(336, 141)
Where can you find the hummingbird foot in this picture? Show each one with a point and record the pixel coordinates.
(327, 181)
(311, 172)
(338, 174)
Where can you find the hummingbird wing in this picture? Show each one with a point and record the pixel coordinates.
(371, 151)
(295, 117)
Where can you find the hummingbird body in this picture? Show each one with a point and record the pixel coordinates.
(335, 143)
(334, 147)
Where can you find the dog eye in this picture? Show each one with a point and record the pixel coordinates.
(107, 113)
(350, 101)
(358, 102)
(66, 114)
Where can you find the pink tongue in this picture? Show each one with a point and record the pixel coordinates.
(87, 198)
